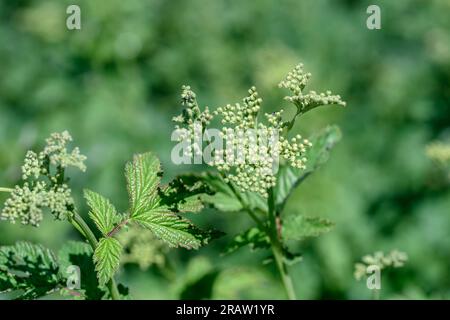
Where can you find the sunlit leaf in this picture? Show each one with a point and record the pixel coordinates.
(102, 212)
(143, 180)
(107, 258)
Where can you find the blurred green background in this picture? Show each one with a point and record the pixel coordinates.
(115, 86)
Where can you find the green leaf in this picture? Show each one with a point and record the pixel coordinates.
(143, 180)
(183, 194)
(31, 269)
(107, 258)
(155, 207)
(174, 230)
(288, 178)
(254, 237)
(298, 227)
(80, 254)
(102, 211)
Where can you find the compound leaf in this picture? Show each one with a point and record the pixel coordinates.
(156, 207)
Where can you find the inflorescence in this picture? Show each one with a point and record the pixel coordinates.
(394, 259)
(43, 183)
(252, 147)
(296, 81)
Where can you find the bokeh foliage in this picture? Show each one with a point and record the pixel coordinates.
(115, 86)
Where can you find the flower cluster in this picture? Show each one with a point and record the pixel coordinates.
(193, 121)
(290, 150)
(25, 204)
(249, 159)
(58, 155)
(251, 152)
(394, 259)
(54, 153)
(251, 147)
(296, 81)
(242, 116)
(32, 167)
(40, 188)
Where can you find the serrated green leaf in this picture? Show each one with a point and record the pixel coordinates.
(254, 237)
(80, 254)
(298, 227)
(143, 179)
(288, 178)
(174, 230)
(31, 269)
(107, 258)
(102, 212)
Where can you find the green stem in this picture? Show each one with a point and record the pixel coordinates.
(245, 208)
(87, 232)
(6, 190)
(84, 229)
(277, 249)
(275, 242)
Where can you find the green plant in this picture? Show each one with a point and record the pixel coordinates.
(250, 183)
(34, 271)
(259, 184)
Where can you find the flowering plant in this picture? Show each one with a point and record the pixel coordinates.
(154, 207)
(257, 179)
(261, 165)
